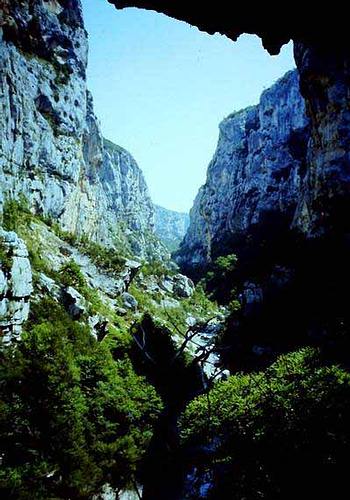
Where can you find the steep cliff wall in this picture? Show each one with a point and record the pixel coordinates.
(170, 226)
(325, 198)
(51, 147)
(277, 195)
(254, 178)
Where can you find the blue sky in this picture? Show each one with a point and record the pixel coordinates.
(161, 87)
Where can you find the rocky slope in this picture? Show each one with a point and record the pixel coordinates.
(170, 226)
(51, 148)
(255, 176)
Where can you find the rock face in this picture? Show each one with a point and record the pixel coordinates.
(183, 286)
(170, 226)
(74, 302)
(323, 63)
(325, 197)
(51, 147)
(277, 195)
(255, 176)
(15, 285)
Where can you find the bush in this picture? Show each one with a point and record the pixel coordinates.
(5, 258)
(219, 278)
(108, 258)
(71, 275)
(282, 433)
(71, 418)
(156, 268)
(15, 212)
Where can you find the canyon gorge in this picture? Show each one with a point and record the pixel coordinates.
(152, 354)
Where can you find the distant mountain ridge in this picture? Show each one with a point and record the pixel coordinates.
(170, 226)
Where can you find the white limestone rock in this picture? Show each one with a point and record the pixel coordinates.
(15, 285)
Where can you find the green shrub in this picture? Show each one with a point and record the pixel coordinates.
(15, 212)
(5, 257)
(72, 418)
(226, 263)
(270, 428)
(156, 268)
(109, 259)
(70, 275)
(219, 281)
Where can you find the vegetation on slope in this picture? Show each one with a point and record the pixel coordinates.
(72, 417)
(77, 413)
(281, 433)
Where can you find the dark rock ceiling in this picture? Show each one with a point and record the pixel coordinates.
(275, 24)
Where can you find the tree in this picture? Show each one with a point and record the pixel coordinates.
(72, 418)
(282, 433)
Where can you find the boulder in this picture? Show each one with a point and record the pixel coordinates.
(131, 268)
(121, 311)
(74, 302)
(169, 303)
(98, 326)
(167, 284)
(49, 286)
(183, 286)
(15, 285)
(252, 298)
(129, 301)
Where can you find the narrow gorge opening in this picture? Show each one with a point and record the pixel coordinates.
(220, 372)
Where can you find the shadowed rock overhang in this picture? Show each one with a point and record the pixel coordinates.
(274, 24)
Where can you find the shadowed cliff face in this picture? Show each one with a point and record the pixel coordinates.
(279, 199)
(325, 86)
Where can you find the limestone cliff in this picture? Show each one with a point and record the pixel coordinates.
(324, 83)
(51, 147)
(277, 195)
(15, 285)
(170, 226)
(255, 176)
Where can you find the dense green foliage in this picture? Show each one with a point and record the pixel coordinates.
(71, 275)
(5, 258)
(156, 268)
(72, 417)
(219, 281)
(174, 316)
(282, 433)
(109, 259)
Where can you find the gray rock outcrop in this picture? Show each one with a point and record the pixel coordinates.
(74, 302)
(183, 286)
(129, 301)
(15, 285)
